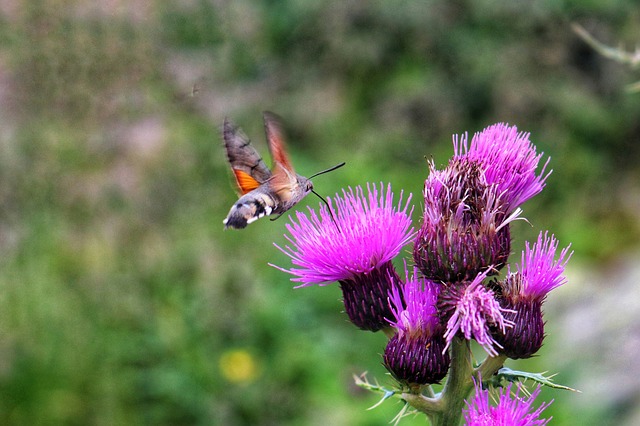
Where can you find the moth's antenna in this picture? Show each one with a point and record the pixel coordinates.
(321, 197)
(327, 204)
(327, 171)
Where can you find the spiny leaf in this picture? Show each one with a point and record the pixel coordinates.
(362, 382)
(512, 376)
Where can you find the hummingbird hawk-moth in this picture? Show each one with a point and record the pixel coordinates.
(263, 191)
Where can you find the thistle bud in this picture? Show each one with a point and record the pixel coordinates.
(417, 361)
(522, 293)
(416, 354)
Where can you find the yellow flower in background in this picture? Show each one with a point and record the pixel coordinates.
(239, 366)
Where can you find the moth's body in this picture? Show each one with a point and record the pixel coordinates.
(265, 192)
(266, 200)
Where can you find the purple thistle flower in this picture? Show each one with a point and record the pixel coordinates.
(538, 272)
(464, 229)
(415, 355)
(523, 292)
(369, 232)
(509, 161)
(470, 204)
(472, 310)
(516, 411)
(356, 250)
(414, 306)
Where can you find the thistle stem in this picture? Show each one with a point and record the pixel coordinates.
(445, 409)
(432, 407)
(489, 367)
(458, 385)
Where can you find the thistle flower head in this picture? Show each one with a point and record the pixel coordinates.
(509, 411)
(464, 229)
(369, 231)
(523, 292)
(470, 204)
(355, 248)
(508, 160)
(473, 311)
(414, 306)
(538, 272)
(415, 355)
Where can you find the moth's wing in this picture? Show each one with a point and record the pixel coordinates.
(248, 167)
(284, 178)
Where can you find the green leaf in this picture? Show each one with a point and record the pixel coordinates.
(512, 376)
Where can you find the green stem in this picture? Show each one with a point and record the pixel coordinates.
(430, 406)
(428, 392)
(458, 385)
(445, 409)
(489, 367)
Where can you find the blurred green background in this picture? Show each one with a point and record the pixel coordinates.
(123, 302)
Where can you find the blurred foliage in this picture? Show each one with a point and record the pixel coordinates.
(121, 298)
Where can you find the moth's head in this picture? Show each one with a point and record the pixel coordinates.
(306, 184)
